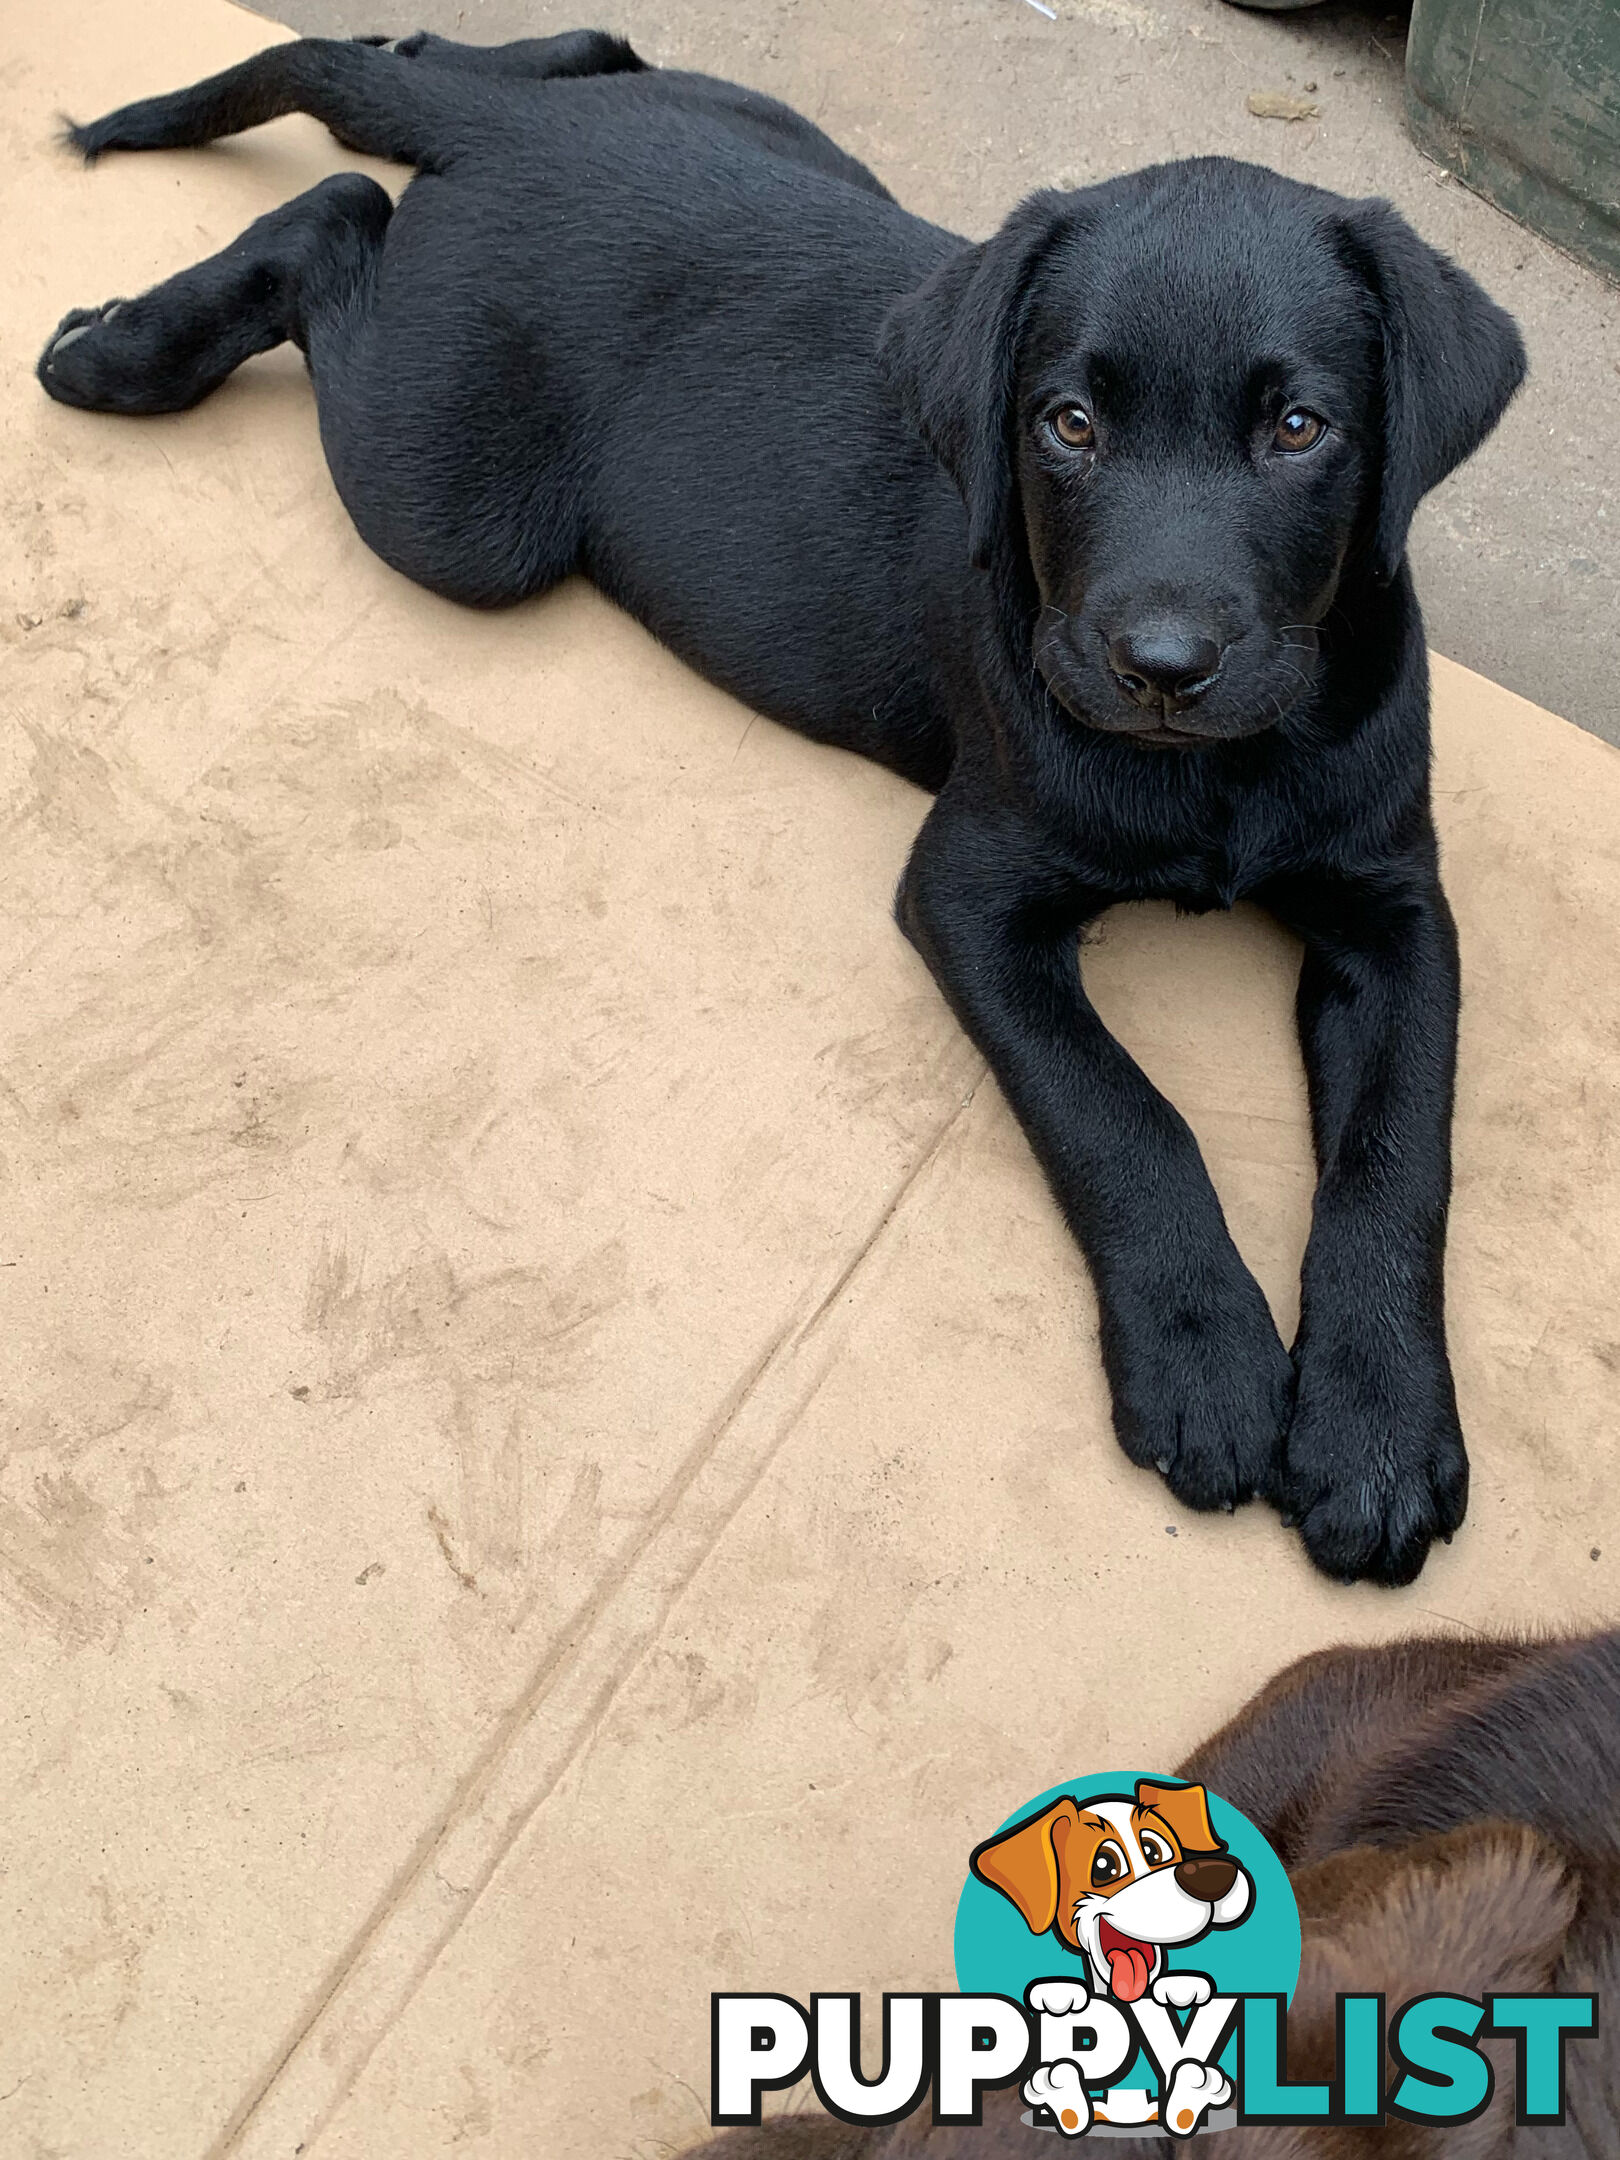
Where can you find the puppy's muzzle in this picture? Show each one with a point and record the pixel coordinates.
(1207, 1878)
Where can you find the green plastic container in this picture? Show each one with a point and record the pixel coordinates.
(1521, 99)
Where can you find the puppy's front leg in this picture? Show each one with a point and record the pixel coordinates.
(1375, 1466)
(1201, 1383)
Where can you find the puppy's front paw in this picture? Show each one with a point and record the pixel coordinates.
(1057, 1998)
(1373, 1476)
(1202, 1386)
(1182, 1990)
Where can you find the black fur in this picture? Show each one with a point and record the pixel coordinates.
(660, 330)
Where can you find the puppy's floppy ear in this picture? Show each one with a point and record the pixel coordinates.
(1186, 1809)
(951, 349)
(1452, 360)
(1025, 1863)
(1473, 1911)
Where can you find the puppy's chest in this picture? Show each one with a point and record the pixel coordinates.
(1199, 884)
(1201, 861)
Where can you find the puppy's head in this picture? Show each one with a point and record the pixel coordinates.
(1193, 400)
(1120, 1879)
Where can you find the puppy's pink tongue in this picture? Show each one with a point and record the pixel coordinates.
(1130, 1967)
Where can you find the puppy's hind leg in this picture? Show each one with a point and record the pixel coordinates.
(547, 59)
(167, 349)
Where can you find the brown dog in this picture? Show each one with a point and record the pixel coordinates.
(1449, 1813)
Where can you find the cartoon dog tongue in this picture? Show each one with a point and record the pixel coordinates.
(1130, 1963)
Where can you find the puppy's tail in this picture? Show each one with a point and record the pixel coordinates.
(374, 101)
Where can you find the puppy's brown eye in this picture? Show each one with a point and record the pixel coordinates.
(1071, 424)
(1107, 1865)
(1299, 429)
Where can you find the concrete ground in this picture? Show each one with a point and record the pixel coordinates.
(963, 106)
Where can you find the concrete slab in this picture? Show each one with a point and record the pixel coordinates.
(946, 1590)
(554, 1456)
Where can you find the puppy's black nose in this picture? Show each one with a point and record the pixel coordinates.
(1164, 661)
(1207, 1876)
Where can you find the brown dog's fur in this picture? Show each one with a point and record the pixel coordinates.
(1449, 1813)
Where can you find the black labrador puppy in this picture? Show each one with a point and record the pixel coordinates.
(1097, 530)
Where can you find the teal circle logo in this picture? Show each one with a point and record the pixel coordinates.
(1108, 1887)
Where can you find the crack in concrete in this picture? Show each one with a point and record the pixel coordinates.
(337, 2069)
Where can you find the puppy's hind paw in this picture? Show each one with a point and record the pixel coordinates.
(1194, 2089)
(72, 366)
(420, 45)
(1060, 2087)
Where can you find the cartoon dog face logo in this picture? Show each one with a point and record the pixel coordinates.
(1120, 1879)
